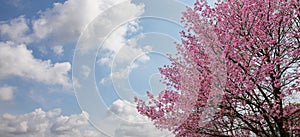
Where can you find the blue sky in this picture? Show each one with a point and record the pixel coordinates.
(63, 61)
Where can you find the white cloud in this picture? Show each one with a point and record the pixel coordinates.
(116, 40)
(65, 21)
(123, 62)
(123, 54)
(148, 48)
(127, 54)
(102, 81)
(46, 124)
(58, 49)
(91, 133)
(85, 71)
(122, 119)
(15, 30)
(131, 123)
(7, 93)
(105, 60)
(17, 60)
(75, 83)
(111, 27)
(31, 124)
(66, 125)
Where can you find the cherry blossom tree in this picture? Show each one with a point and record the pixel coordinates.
(236, 66)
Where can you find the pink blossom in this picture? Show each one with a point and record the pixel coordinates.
(235, 66)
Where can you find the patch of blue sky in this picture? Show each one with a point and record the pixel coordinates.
(45, 51)
(10, 9)
(29, 95)
(144, 74)
(159, 25)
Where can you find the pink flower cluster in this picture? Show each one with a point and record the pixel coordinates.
(236, 65)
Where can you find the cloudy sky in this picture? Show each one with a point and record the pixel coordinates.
(72, 67)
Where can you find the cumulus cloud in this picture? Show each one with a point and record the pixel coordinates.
(122, 119)
(17, 60)
(62, 23)
(111, 27)
(31, 124)
(40, 123)
(117, 43)
(66, 125)
(15, 29)
(126, 60)
(6, 93)
(131, 123)
(123, 54)
(65, 21)
(56, 21)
